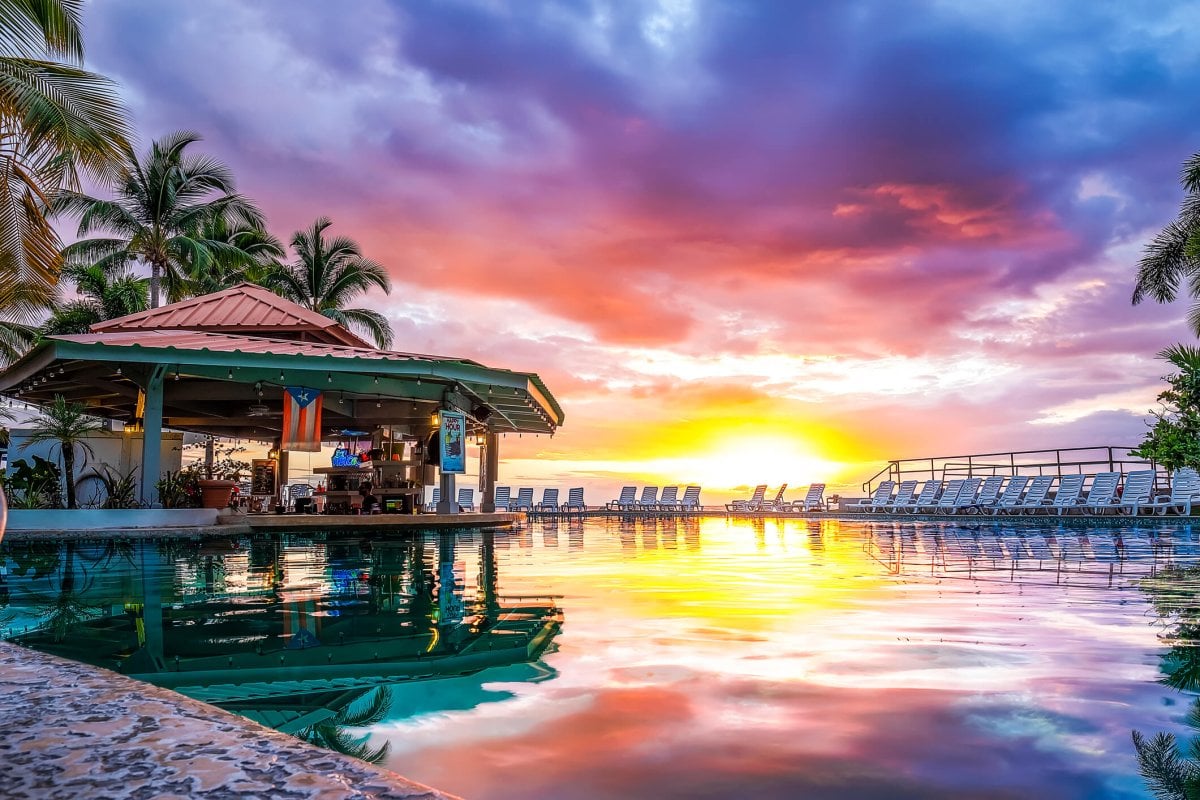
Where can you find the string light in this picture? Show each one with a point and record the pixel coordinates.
(376, 380)
(230, 375)
(329, 377)
(341, 397)
(280, 374)
(118, 370)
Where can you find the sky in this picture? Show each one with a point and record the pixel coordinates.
(741, 242)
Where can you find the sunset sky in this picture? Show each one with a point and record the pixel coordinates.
(741, 241)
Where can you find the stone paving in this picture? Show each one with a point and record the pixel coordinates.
(69, 730)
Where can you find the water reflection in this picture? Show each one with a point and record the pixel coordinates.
(705, 657)
(303, 634)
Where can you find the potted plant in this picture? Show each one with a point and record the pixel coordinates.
(217, 489)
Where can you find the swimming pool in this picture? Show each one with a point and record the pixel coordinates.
(700, 658)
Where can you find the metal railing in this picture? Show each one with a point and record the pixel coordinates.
(1058, 461)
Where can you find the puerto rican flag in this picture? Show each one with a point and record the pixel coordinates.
(301, 420)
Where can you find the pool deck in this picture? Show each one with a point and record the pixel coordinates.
(77, 731)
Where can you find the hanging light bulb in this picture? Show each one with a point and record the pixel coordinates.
(378, 403)
(376, 380)
(176, 374)
(230, 375)
(329, 377)
(341, 397)
(280, 374)
(118, 370)
(418, 381)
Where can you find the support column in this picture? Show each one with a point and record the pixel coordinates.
(491, 459)
(152, 434)
(449, 502)
(281, 477)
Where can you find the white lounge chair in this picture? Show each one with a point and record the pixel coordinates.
(524, 500)
(574, 501)
(966, 495)
(433, 501)
(777, 504)
(1067, 497)
(669, 501)
(466, 499)
(1185, 489)
(814, 498)
(626, 502)
(878, 499)
(1102, 494)
(1010, 498)
(930, 491)
(549, 504)
(1136, 492)
(753, 504)
(649, 499)
(989, 493)
(1035, 495)
(949, 496)
(691, 500)
(502, 498)
(905, 494)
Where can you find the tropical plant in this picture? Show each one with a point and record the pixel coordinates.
(120, 489)
(331, 732)
(68, 424)
(103, 295)
(327, 275)
(1174, 438)
(244, 254)
(163, 200)
(36, 485)
(56, 122)
(179, 489)
(1172, 259)
(64, 606)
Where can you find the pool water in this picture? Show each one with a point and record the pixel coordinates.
(707, 658)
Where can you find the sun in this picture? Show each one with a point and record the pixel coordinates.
(747, 461)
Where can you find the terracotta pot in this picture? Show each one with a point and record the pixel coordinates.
(215, 493)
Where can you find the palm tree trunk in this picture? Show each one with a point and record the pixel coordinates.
(68, 454)
(155, 280)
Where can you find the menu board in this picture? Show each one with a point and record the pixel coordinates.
(262, 476)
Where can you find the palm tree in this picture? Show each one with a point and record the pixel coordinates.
(331, 732)
(102, 296)
(1172, 259)
(163, 201)
(327, 274)
(241, 253)
(68, 424)
(56, 120)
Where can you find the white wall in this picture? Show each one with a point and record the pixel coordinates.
(121, 451)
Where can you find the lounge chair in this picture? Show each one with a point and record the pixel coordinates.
(1010, 498)
(1136, 492)
(524, 500)
(626, 501)
(753, 504)
(926, 499)
(433, 501)
(905, 494)
(503, 498)
(949, 496)
(1103, 492)
(574, 501)
(777, 505)
(690, 503)
(878, 499)
(1067, 497)
(648, 500)
(549, 504)
(1035, 495)
(669, 500)
(814, 499)
(966, 495)
(1185, 489)
(466, 499)
(989, 493)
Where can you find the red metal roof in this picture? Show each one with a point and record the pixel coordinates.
(245, 308)
(229, 343)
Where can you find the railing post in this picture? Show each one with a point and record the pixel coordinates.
(1012, 463)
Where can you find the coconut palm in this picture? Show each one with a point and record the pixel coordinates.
(162, 202)
(56, 121)
(68, 424)
(1172, 259)
(102, 296)
(241, 253)
(331, 733)
(327, 275)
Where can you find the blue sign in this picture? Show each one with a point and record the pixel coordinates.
(452, 439)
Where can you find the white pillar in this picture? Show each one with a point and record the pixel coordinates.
(152, 434)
